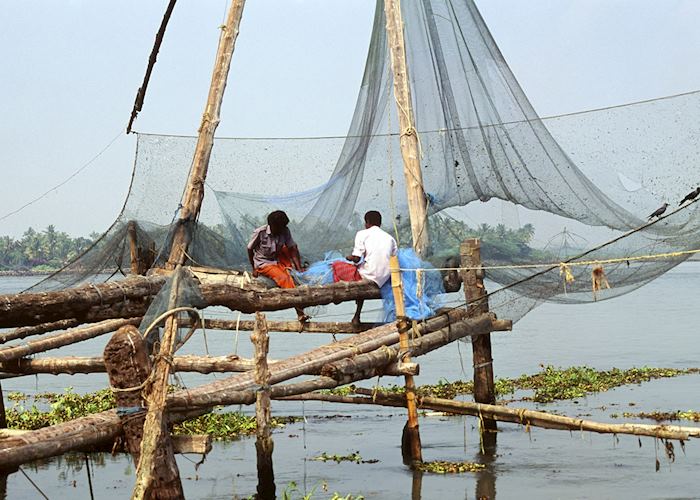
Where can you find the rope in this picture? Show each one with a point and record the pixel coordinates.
(563, 265)
(160, 318)
(33, 483)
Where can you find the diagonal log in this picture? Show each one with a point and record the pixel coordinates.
(66, 338)
(28, 331)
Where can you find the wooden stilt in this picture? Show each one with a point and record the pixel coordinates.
(410, 442)
(477, 303)
(264, 444)
(157, 458)
(194, 191)
(410, 152)
(3, 416)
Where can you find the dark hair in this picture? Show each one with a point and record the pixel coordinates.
(278, 218)
(374, 218)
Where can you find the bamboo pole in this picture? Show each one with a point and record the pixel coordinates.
(63, 339)
(263, 444)
(194, 191)
(157, 468)
(411, 433)
(410, 150)
(477, 303)
(333, 327)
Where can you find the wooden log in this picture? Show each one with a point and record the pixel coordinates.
(194, 191)
(28, 331)
(336, 327)
(522, 416)
(213, 393)
(411, 434)
(133, 247)
(131, 297)
(126, 298)
(63, 339)
(73, 365)
(374, 363)
(198, 443)
(157, 475)
(3, 416)
(264, 445)
(415, 193)
(477, 303)
(128, 366)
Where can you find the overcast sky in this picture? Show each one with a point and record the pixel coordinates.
(70, 71)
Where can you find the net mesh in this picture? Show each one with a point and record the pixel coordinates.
(533, 190)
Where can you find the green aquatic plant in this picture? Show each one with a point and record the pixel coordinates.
(445, 467)
(551, 383)
(665, 416)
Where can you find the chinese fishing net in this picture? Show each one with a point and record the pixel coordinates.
(535, 191)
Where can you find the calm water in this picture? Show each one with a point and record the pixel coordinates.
(654, 326)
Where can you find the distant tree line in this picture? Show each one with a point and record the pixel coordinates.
(41, 251)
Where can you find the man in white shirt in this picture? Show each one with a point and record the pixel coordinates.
(370, 257)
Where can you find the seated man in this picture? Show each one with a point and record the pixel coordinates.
(272, 253)
(373, 247)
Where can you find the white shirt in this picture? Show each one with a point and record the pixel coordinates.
(376, 246)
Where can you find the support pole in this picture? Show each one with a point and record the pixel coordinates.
(194, 191)
(264, 444)
(133, 247)
(410, 150)
(410, 442)
(157, 458)
(477, 303)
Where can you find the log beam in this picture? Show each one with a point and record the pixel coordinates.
(264, 445)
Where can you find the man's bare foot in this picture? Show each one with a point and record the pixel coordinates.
(355, 322)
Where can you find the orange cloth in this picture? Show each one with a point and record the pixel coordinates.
(279, 273)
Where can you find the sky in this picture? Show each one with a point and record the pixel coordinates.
(70, 71)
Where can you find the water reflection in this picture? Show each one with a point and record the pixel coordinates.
(486, 478)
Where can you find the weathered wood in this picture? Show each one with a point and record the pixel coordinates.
(28, 331)
(128, 366)
(212, 394)
(477, 303)
(157, 475)
(287, 326)
(411, 432)
(264, 445)
(374, 363)
(3, 417)
(66, 338)
(522, 416)
(198, 443)
(415, 193)
(141, 256)
(132, 296)
(73, 365)
(194, 191)
(104, 427)
(125, 299)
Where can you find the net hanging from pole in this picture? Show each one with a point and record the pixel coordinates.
(491, 169)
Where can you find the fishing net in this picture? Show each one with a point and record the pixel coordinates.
(535, 191)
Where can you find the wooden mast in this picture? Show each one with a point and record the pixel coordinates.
(410, 152)
(194, 192)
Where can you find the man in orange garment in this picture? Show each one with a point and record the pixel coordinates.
(272, 253)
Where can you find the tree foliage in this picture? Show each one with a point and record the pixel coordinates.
(39, 251)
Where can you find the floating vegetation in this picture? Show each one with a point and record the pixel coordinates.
(352, 457)
(444, 467)
(664, 416)
(292, 492)
(551, 383)
(55, 408)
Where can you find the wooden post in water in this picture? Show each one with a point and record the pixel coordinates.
(3, 416)
(128, 366)
(264, 444)
(157, 459)
(410, 150)
(194, 191)
(410, 442)
(477, 303)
